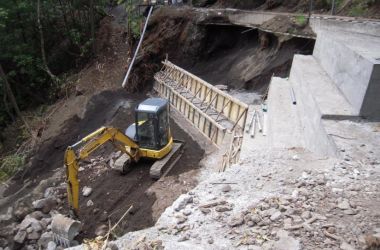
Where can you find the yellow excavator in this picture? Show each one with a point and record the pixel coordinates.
(149, 137)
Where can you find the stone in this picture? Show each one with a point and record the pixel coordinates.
(184, 238)
(226, 188)
(89, 203)
(51, 246)
(20, 237)
(221, 209)
(350, 212)
(27, 221)
(250, 223)
(255, 218)
(306, 215)
(286, 242)
(101, 230)
(181, 219)
(86, 191)
(33, 235)
(44, 240)
(210, 241)
(21, 210)
(344, 205)
(236, 221)
(205, 210)
(36, 226)
(45, 222)
(345, 246)
(287, 223)
(49, 192)
(45, 205)
(38, 215)
(119, 162)
(186, 212)
(276, 216)
(182, 202)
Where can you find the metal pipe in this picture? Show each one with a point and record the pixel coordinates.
(293, 96)
(137, 49)
(258, 122)
(253, 131)
(250, 123)
(265, 123)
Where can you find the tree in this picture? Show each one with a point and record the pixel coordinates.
(12, 98)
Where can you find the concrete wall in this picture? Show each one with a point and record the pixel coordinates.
(315, 137)
(350, 63)
(344, 24)
(371, 103)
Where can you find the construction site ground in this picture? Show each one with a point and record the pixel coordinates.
(274, 198)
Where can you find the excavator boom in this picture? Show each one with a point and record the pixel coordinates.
(90, 144)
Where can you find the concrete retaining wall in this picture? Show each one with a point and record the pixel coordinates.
(315, 137)
(344, 24)
(351, 63)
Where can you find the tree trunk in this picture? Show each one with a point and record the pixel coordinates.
(44, 61)
(12, 98)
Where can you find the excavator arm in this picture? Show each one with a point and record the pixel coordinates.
(90, 143)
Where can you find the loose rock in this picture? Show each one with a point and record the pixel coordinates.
(86, 191)
(20, 236)
(226, 188)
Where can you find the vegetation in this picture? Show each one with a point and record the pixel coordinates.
(360, 7)
(301, 20)
(39, 41)
(9, 165)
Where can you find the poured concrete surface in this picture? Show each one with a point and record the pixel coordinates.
(352, 62)
(285, 129)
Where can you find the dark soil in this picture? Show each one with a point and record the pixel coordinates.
(113, 192)
(221, 54)
(236, 56)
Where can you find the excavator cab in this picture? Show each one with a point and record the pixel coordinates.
(152, 120)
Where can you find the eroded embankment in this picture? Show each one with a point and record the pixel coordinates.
(231, 55)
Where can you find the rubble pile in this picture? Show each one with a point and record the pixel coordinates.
(29, 225)
(294, 201)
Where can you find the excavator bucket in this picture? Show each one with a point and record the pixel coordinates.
(64, 230)
(161, 168)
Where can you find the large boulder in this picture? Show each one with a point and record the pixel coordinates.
(20, 237)
(27, 222)
(45, 239)
(21, 210)
(45, 205)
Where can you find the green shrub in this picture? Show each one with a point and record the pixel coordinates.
(10, 165)
(301, 20)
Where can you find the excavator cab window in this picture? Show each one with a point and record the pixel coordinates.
(163, 128)
(146, 123)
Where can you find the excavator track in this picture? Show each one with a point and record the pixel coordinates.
(162, 167)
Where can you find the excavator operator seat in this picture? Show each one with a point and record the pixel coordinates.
(152, 123)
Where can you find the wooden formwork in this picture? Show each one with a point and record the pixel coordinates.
(233, 109)
(212, 111)
(204, 123)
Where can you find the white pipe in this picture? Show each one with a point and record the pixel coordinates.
(258, 122)
(250, 124)
(253, 131)
(137, 49)
(265, 123)
(293, 96)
